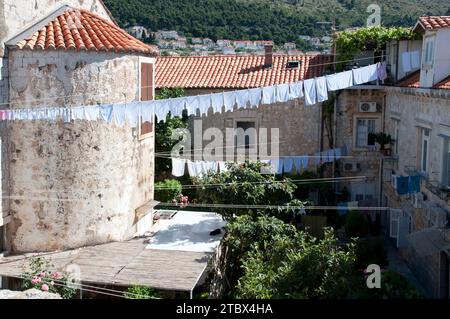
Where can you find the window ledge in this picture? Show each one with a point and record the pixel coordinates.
(5, 220)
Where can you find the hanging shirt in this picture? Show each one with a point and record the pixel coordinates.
(255, 97)
(321, 89)
(229, 100)
(176, 106)
(296, 90)
(119, 114)
(132, 113)
(382, 72)
(204, 103)
(268, 95)
(365, 75)
(178, 166)
(402, 185)
(149, 109)
(309, 87)
(288, 164)
(192, 168)
(217, 102)
(340, 81)
(282, 93)
(242, 97)
(414, 184)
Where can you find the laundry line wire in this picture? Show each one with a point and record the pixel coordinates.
(108, 94)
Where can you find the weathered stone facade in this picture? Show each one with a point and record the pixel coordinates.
(79, 183)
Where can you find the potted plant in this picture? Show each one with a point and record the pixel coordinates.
(384, 140)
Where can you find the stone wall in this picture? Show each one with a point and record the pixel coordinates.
(79, 183)
(367, 160)
(299, 125)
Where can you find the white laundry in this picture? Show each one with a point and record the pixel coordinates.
(91, 113)
(77, 113)
(119, 114)
(192, 105)
(382, 72)
(365, 75)
(242, 98)
(268, 95)
(277, 166)
(255, 97)
(178, 166)
(132, 113)
(296, 90)
(148, 110)
(415, 60)
(282, 93)
(212, 166)
(229, 100)
(406, 62)
(106, 113)
(204, 103)
(340, 81)
(288, 164)
(201, 168)
(301, 163)
(176, 106)
(192, 168)
(337, 153)
(310, 91)
(321, 89)
(217, 102)
(223, 166)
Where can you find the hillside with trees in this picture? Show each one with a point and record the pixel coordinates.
(278, 20)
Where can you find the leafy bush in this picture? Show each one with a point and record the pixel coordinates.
(40, 277)
(356, 224)
(371, 251)
(141, 292)
(168, 190)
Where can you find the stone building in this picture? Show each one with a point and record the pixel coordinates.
(68, 185)
(299, 125)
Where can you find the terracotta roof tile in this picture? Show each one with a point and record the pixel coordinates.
(435, 22)
(77, 29)
(412, 80)
(444, 84)
(235, 71)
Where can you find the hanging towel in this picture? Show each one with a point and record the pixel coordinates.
(277, 166)
(282, 93)
(340, 81)
(402, 185)
(310, 91)
(217, 102)
(288, 164)
(414, 184)
(268, 95)
(77, 113)
(296, 90)
(176, 106)
(406, 62)
(223, 166)
(365, 75)
(119, 114)
(201, 168)
(321, 89)
(255, 97)
(192, 168)
(160, 108)
(229, 100)
(132, 113)
(242, 97)
(106, 113)
(178, 166)
(415, 60)
(382, 72)
(192, 105)
(91, 113)
(204, 103)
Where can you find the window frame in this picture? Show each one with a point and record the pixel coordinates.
(428, 56)
(358, 118)
(424, 164)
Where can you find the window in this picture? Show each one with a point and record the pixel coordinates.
(429, 51)
(445, 178)
(245, 134)
(147, 94)
(424, 153)
(364, 128)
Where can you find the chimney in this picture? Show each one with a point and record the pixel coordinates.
(268, 60)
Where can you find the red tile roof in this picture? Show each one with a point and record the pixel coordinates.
(434, 22)
(77, 29)
(235, 71)
(444, 84)
(412, 80)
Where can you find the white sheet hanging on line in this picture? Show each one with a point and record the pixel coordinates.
(229, 100)
(118, 114)
(176, 106)
(242, 98)
(255, 97)
(77, 113)
(204, 103)
(133, 113)
(277, 166)
(192, 105)
(178, 166)
(365, 75)
(106, 113)
(296, 90)
(340, 81)
(321, 89)
(160, 107)
(282, 93)
(310, 91)
(217, 102)
(223, 166)
(268, 95)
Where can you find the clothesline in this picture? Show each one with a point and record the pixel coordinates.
(313, 90)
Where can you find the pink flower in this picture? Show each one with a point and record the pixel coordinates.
(44, 287)
(56, 275)
(36, 280)
(42, 274)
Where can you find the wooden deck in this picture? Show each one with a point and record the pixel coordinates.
(123, 264)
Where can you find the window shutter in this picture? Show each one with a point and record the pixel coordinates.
(146, 93)
(394, 216)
